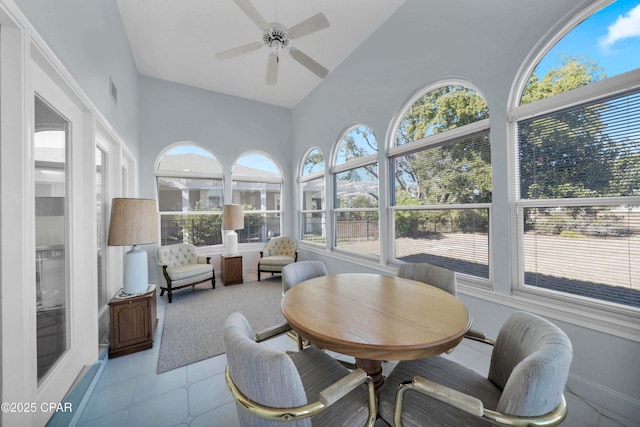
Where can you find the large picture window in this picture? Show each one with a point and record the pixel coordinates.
(577, 133)
(355, 175)
(313, 213)
(190, 198)
(441, 189)
(256, 185)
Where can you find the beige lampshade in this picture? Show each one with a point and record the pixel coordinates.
(232, 217)
(133, 222)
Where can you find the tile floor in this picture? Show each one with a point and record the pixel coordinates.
(128, 392)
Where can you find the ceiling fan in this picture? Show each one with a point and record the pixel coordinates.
(277, 36)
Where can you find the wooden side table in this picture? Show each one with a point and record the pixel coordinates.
(231, 269)
(133, 323)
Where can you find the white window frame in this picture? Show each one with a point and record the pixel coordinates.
(235, 177)
(187, 175)
(335, 169)
(614, 86)
(302, 180)
(432, 141)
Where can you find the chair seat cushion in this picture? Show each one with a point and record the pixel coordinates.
(430, 412)
(276, 261)
(187, 271)
(317, 371)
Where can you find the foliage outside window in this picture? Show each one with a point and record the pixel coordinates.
(256, 185)
(441, 169)
(578, 176)
(313, 216)
(355, 175)
(190, 196)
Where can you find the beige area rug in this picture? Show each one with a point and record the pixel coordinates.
(193, 321)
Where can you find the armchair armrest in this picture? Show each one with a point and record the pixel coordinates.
(164, 272)
(473, 406)
(341, 388)
(204, 259)
(331, 396)
(265, 334)
(476, 335)
(462, 401)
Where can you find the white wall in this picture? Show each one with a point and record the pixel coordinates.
(226, 125)
(89, 39)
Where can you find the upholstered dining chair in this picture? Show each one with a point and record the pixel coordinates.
(308, 388)
(525, 385)
(300, 271)
(180, 266)
(279, 251)
(431, 274)
(440, 277)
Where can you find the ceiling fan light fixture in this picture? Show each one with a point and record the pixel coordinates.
(277, 36)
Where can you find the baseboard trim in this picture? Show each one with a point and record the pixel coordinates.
(604, 397)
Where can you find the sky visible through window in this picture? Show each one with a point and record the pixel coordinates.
(189, 149)
(258, 161)
(610, 37)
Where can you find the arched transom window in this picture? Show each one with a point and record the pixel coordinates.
(313, 213)
(256, 184)
(441, 191)
(355, 176)
(577, 163)
(189, 183)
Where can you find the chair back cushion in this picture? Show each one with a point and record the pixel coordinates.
(430, 274)
(180, 254)
(263, 374)
(530, 363)
(295, 273)
(281, 246)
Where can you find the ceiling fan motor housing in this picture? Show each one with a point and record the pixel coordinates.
(278, 36)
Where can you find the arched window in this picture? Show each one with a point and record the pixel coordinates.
(313, 213)
(189, 180)
(256, 185)
(355, 177)
(577, 158)
(604, 45)
(441, 170)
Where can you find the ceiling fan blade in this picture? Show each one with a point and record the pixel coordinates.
(311, 25)
(312, 65)
(238, 50)
(272, 69)
(250, 10)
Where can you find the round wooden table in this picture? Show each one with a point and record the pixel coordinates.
(374, 318)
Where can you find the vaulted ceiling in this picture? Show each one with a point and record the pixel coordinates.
(178, 41)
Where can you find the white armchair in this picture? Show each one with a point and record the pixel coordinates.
(280, 251)
(180, 266)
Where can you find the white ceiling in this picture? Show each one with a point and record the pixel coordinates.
(177, 41)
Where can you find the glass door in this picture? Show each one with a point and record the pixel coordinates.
(52, 291)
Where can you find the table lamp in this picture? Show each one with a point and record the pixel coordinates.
(232, 220)
(134, 222)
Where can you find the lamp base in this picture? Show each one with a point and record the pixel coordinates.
(136, 273)
(231, 242)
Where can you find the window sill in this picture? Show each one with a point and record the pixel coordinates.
(616, 321)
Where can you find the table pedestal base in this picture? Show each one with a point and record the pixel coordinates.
(374, 369)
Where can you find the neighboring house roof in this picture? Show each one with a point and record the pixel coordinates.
(190, 162)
